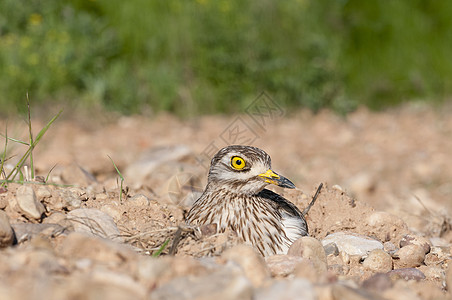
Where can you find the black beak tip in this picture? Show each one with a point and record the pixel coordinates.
(286, 183)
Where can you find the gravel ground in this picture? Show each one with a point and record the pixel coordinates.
(380, 229)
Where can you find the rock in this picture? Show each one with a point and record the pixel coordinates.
(433, 273)
(282, 265)
(55, 218)
(343, 292)
(378, 261)
(432, 259)
(76, 175)
(410, 239)
(352, 244)
(386, 226)
(389, 247)
(331, 249)
(288, 289)
(95, 222)
(43, 192)
(113, 211)
(378, 282)
(6, 232)
(28, 203)
(409, 256)
(406, 274)
(82, 246)
(139, 200)
(27, 231)
(219, 285)
(312, 249)
(72, 198)
(251, 262)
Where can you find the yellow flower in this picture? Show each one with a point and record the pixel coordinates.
(35, 19)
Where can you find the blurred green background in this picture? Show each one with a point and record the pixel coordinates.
(205, 56)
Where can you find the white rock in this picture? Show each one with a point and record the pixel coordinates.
(95, 222)
(28, 203)
(352, 244)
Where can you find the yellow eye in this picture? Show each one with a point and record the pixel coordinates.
(237, 162)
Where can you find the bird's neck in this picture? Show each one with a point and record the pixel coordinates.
(238, 189)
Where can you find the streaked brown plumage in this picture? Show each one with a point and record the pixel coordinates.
(235, 197)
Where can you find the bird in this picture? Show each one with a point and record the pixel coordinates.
(235, 198)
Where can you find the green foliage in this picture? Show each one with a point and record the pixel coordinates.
(204, 56)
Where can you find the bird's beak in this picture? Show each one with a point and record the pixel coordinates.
(273, 178)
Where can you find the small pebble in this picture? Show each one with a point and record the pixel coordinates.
(378, 261)
(28, 203)
(406, 274)
(410, 256)
(410, 239)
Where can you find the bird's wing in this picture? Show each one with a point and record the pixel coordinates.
(281, 203)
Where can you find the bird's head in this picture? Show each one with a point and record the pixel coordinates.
(244, 169)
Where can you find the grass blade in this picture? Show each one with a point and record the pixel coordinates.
(4, 154)
(120, 176)
(15, 140)
(160, 250)
(22, 160)
(30, 135)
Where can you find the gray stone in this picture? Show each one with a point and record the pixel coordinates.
(95, 222)
(28, 203)
(331, 249)
(297, 288)
(218, 285)
(27, 231)
(378, 282)
(6, 232)
(407, 274)
(352, 243)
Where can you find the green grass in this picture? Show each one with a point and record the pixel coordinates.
(205, 56)
(26, 157)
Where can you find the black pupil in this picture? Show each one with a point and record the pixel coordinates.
(238, 162)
